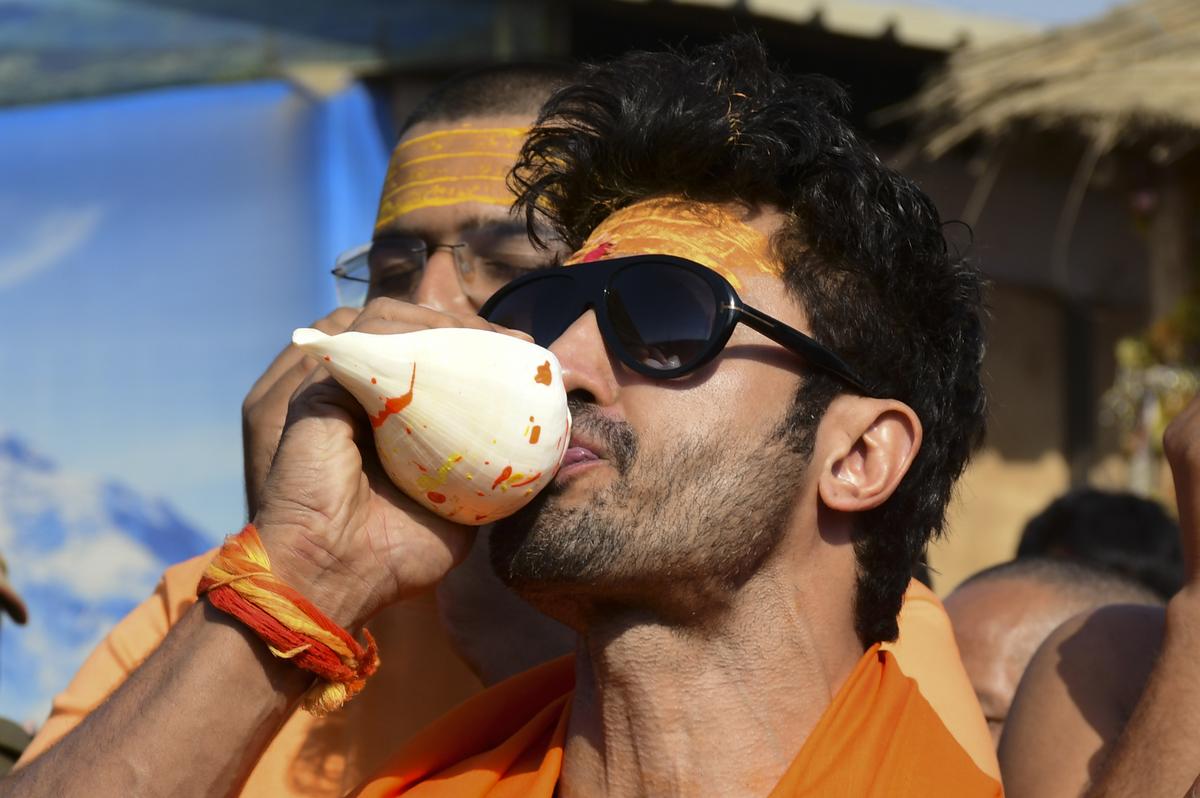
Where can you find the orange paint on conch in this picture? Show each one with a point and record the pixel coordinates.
(434, 497)
(421, 468)
(505, 474)
(481, 517)
(408, 430)
(327, 359)
(395, 404)
(374, 381)
(535, 434)
(523, 483)
(480, 493)
(543, 375)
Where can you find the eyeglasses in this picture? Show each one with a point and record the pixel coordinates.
(661, 315)
(391, 265)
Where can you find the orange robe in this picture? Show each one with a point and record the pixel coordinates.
(927, 652)
(878, 738)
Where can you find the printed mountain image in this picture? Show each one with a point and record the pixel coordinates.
(82, 551)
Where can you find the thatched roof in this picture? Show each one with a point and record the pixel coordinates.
(1131, 76)
(908, 23)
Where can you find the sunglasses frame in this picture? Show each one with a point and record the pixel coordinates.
(594, 278)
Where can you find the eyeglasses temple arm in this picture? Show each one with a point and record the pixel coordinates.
(340, 273)
(791, 338)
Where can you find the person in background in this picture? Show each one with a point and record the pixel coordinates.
(444, 238)
(1002, 614)
(1108, 706)
(1119, 532)
(13, 738)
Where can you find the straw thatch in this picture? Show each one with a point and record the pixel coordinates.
(1131, 76)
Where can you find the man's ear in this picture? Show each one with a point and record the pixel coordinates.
(868, 446)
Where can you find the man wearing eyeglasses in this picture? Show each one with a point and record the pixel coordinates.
(773, 367)
(445, 239)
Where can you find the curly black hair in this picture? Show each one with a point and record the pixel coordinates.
(862, 247)
(1119, 531)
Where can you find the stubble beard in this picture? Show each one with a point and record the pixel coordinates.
(679, 529)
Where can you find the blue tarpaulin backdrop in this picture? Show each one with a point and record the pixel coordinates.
(156, 250)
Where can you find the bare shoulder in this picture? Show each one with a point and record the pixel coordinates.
(1075, 698)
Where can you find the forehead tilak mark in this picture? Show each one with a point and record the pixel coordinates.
(703, 232)
(449, 167)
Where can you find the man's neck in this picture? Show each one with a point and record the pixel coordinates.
(720, 708)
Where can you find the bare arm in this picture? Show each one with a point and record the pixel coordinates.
(191, 721)
(1075, 698)
(1067, 715)
(1159, 752)
(194, 718)
(128, 645)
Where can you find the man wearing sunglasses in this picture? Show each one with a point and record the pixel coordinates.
(773, 367)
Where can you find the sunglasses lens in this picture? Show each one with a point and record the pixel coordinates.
(663, 315)
(544, 308)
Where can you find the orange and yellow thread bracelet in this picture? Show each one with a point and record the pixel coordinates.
(239, 582)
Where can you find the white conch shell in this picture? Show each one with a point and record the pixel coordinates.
(470, 423)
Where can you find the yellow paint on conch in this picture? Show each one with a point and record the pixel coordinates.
(431, 481)
(704, 232)
(448, 167)
(511, 481)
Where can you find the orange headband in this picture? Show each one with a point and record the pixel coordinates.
(701, 231)
(447, 167)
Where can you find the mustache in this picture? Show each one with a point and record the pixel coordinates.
(618, 437)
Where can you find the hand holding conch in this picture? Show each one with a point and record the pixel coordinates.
(264, 409)
(334, 525)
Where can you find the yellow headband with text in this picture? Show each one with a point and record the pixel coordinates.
(704, 232)
(446, 167)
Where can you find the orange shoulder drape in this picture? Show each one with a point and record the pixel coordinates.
(879, 737)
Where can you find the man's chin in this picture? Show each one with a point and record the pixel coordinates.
(510, 536)
(551, 541)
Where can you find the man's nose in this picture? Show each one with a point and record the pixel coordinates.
(439, 287)
(585, 362)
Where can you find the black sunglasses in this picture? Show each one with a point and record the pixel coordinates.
(663, 316)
